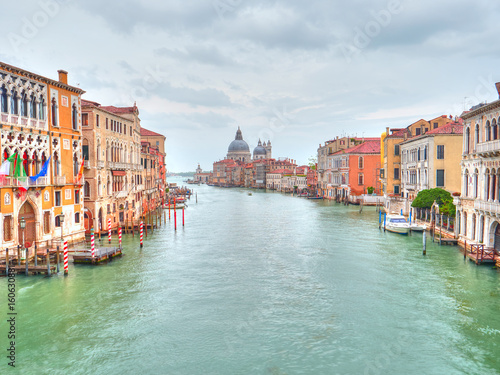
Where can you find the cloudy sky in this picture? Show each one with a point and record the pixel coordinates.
(295, 72)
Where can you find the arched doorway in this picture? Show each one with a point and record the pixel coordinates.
(88, 220)
(497, 238)
(99, 224)
(28, 213)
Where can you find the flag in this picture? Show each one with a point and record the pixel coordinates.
(5, 168)
(43, 171)
(80, 173)
(20, 174)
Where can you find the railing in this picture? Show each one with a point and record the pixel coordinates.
(493, 207)
(100, 163)
(122, 194)
(489, 146)
(139, 188)
(59, 180)
(481, 253)
(41, 181)
(86, 164)
(12, 119)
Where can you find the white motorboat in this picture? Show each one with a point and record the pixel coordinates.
(397, 224)
(418, 227)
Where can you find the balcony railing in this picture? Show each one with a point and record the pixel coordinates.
(493, 207)
(101, 163)
(59, 180)
(41, 181)
(17, 120)
(139, 188)
(490, 146)
(122, 194)
(86, 164)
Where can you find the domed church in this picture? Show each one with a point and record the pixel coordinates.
(239, 150)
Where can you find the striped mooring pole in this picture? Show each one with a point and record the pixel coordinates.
(109, 230)
(65, 257)
(92, 243)
(182, 216)
(120, 236)
(141, 234)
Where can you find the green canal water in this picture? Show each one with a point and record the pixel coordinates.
(262, 284)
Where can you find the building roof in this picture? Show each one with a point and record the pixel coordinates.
(450, 128)
(149, 133)
(90, 103)
(281, 171)
(370, 147)
(120, 110)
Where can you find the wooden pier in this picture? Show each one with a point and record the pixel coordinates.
(104, 254)
(481, 254)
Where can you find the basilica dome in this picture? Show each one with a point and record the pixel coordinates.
(259, 150)
(238, 144)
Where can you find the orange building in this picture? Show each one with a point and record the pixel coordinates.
(354, 170)
(41, 118)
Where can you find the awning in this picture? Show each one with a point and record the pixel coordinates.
(119, 173)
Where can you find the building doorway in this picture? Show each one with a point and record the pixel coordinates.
(28, 213)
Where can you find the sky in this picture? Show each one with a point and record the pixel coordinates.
(297, 73)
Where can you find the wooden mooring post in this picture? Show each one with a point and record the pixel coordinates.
(36, 257)
(7, 261)
(57, 258)
(424, 250)
(48, 262)
(18, 255)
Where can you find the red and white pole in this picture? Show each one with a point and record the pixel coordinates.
(120, 236)
(141, 233)
(92, 243)
(109, 230)
(168, 208)
(65, 257)
(182, 216)
(175, 214)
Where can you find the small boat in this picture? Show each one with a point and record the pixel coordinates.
(249, 193)
(397, 224)
(418, 227)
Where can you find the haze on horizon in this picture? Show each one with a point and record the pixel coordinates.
(297, 73)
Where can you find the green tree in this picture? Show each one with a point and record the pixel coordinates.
(312, 161)
(444, 200)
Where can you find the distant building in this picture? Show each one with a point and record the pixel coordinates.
(201, 176)
(238, 149)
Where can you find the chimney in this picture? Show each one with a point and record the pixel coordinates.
(497, 85)
(405, 136)
(63, 76)
(386, 131)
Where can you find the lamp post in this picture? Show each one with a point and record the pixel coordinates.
(61, 220)
(23, 225)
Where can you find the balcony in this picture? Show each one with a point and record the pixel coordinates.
(138, 188)
(101, 163)
(86, 164)
(492, 207)
(17, 120)
(486, 148)
(117, 165)
(59, 180)
(41, 181)
(122, 194)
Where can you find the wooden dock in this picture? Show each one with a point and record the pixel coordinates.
(448, 241)
(481, 254)
(32, 269)
(103, 254)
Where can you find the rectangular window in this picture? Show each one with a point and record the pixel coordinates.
(396, 173)
(97, 120)
(85, 119)
(417, 131)
(85, 151)
(440, 177)
(77, 196)
(435, 125)
(107, 124)
(425, 153)
(418, 155)
(396, 149)
(77, 218)
(57, 221)
(361, 179)
(125, 129)
(109, 209)
(67, 194)
(114, 207)
(46, 222)
(7, 228)
(440, 152)
(57, 200)
(396, 189)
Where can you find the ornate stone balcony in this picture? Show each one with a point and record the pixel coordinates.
(59, 180)
(492, 207)
(101, 163)
(490, 147)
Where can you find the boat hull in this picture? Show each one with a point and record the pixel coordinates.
(399, 230)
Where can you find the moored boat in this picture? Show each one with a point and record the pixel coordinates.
(397, 224)
(418, 227)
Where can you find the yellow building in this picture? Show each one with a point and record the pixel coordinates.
(40, 118)
(390, 175)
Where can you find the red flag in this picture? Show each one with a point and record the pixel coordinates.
(80, 173)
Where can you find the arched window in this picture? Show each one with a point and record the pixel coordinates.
(465, 223)
(41, 109)
(361, 163)
(476, 136)
(33, 107)
(3, 100)
(494, 129)
(75, 165)
(467, 140)
(14, 103)
(466, 183)
(74, 117)
(86, 189)
(57, 165)
(476, 189)
(53, 111)
(99, 186)
(24, 104)
(487, 129)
